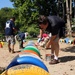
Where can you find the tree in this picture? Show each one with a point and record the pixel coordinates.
(27, 11)
(68, 10)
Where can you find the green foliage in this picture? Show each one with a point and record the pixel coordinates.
(73, 21)
(27, 11)
(2, 36)
(5, 14)
(46, 7)
(33, 30)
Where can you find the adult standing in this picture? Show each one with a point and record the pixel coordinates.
(53, 25)
(9, 34)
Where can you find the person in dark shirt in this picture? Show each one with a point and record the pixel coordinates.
(9, 33)
(53, 25)
(20, 38)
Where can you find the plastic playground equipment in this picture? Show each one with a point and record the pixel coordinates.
(68, 40)
(27, 63)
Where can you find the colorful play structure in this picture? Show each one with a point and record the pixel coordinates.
(1, 44)
(68, 40)
(27, 62)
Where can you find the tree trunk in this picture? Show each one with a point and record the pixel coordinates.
(70, 10)
(74, 8)
(63, 9)
(69, 33)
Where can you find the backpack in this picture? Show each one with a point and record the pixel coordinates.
(8, 28)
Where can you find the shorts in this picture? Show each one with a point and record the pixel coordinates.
(57, 38)
(10, 39)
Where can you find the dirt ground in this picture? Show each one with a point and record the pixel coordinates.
(66, 56)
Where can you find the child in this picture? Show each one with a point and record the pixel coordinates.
(20, 37)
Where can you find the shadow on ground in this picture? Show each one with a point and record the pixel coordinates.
(1, 69)
(17, 51)
(69, 49)
(67, 58)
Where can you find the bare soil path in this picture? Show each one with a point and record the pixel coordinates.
(66, 55)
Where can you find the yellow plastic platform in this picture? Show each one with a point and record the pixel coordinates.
(26, 70)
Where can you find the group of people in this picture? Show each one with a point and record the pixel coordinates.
(51, 24)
